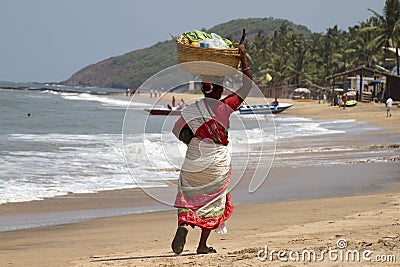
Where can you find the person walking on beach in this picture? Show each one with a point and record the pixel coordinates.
(344, 101)
(202, 199)
(173, 101)
(182, 104)
(389, 103)
(335, 100)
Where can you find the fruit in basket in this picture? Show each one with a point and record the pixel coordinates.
(195, 37)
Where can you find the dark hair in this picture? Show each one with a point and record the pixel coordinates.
(207, 88)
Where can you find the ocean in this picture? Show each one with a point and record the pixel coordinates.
(59, 140)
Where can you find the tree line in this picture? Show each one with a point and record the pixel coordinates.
(293, 59)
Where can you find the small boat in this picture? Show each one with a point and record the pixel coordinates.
(349, 103)
(164, 111)
(263, 108)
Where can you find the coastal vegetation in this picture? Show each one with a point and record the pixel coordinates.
(292, 58)
(290, 53)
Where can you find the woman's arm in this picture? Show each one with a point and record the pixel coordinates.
(179, 124)
(182, 131)
(247, 83)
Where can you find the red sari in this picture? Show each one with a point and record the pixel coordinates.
(202, 198)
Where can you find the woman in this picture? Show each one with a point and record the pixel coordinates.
(202, 198)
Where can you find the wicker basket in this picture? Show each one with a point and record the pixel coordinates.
(189, 53)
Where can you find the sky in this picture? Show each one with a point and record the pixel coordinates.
(49, 40)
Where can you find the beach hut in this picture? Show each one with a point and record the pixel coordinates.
(391, 87)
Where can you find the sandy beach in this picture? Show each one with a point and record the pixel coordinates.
(359, 221)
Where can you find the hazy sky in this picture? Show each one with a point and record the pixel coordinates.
(49, 40)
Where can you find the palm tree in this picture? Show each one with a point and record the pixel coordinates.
(318, 65)
(278, 69)
(259, 52)
(359, 48)
(389, 28)
(298, 59)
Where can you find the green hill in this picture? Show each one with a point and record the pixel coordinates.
(254, 26)
(133, 68)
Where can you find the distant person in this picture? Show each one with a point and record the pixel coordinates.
(344, 101)
(132, 91)
(173, 101)
(151, 93)
(324, 98)
(127, 92)
(275, 104)
(182, 104)
(389, 103)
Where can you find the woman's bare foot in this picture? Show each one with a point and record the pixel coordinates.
(202, 248)
(206, 250)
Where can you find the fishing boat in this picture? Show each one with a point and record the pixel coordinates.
(164, 111)
(263, 108)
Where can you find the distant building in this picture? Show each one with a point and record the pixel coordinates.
(371, 84)
(279, 92)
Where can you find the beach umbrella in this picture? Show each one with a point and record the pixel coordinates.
(351, 93)
(302, 90)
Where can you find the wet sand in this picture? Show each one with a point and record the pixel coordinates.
(305, 207)
(366, 222)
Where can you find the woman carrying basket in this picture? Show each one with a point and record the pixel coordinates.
(202, 198)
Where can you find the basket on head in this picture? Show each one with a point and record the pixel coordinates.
(189, 53)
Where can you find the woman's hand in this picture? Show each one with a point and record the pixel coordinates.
(247, 83)
(242, 55)
(243, 59)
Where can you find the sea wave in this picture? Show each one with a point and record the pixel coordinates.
(47, 165)
(105, 100)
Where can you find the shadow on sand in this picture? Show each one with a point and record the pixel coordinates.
(145, 257)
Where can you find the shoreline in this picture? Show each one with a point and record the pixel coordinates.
(372, 112)
(280, 186)
(326, 180)
(133, 200)
(330, 202)
(133, 240)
